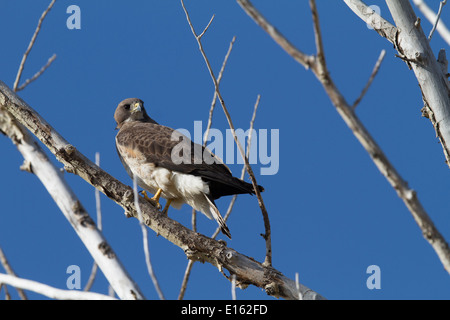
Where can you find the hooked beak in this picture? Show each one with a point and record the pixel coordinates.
(137, 107)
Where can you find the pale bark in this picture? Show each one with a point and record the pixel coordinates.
(413, 47)
(36, 162)
(432, 17)
(49, 291)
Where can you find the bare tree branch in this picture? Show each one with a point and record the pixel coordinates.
(37, 74)
(9, 270)
(98, 210)
(267, 235)
(27, 52)
(196, 246)
(298, 288)
(145, 240)
(437, 23)
(5, 288)
(413, 47)
(187, 274)
(438, 16)
(371, 78)
(213, 103)
(208, 128)
(383, 27)
(233, 287)
(249, 142)
(302, 58)
(409, 196)
(230, 206)
(51, 292)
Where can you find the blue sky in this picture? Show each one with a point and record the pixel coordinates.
(332, 213)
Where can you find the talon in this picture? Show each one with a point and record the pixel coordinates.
(154, 200)
(166, 207)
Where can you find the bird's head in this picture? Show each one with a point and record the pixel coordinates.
(131, 109)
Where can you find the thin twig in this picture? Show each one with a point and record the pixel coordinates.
(233, 287)
(7, 295)
(194, 245)
(297, 285)
(208, 128)
(51, 292)
(383, 27)
(207, 27)
(211, 111)
(371, 78)
(319, 43)
(267, 235)
(300, 57)
(9, 270)
(431, 17)
(30, 45)
(213, 103)
(230, 206)
(98, 205)
(441, 5)
(37, 74)
(145, 240)
(187, 274)
(194, 220)
(71, 207)
(98, 208)
(249, 142)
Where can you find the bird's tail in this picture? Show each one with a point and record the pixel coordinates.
(218, 217)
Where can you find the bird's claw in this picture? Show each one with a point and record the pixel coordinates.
(153, 201)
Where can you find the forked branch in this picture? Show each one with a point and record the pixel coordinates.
(267, 235)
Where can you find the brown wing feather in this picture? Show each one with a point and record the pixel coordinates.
(154, 143)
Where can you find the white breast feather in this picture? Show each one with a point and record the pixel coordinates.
(179, 187)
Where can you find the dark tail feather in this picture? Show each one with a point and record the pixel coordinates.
(218, 217)
(225, 185)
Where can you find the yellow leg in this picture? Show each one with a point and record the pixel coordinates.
(166, 207)
(155, 199)
(157, 195)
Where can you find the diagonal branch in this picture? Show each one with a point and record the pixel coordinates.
(249, 142)
(208, 128)
(433, 18)
(267, 235)
(94, 269)
(413, 47)
(30, 46)
(408, 196)
(383, 27)
(196, 246)
(230, 206)
(4, 262)
(375, 70)
(148, 262)
(438, 16)
(37, 74)
(302, 58)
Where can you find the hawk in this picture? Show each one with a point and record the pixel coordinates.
(152, 152)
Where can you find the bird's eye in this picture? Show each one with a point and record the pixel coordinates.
(127, 107)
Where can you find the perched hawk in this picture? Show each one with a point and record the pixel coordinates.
(171, 166)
